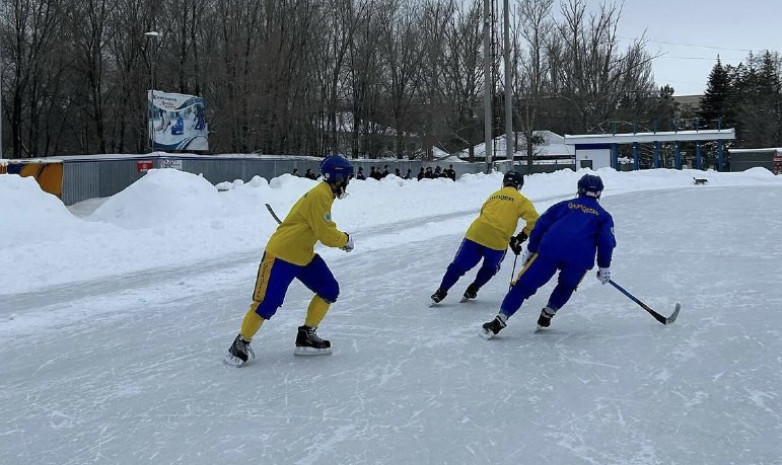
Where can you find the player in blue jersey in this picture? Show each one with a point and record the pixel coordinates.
(290, 255)
(566, 238)
(489, 235)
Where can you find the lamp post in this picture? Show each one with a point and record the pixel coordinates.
(508, 110)
(151, 98)
(2, 71)
(487, 58)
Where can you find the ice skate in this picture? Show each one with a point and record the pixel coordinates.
(493, 327)
(239, 352)
(438, 296)
(308, 342)
(545, 317)
(470, 294)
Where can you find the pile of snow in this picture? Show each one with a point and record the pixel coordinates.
(172, 218)
(28, 214)
(161, 197)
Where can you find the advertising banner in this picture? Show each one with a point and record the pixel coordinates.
(177, 122)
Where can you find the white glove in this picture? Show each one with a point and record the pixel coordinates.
(349, 246)
(603, 275)
(525, 256)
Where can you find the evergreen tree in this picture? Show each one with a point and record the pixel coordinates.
(664, 109)
(760, 106)
(714, 101)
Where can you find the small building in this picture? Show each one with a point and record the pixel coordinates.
(744, 159)
(601, 150)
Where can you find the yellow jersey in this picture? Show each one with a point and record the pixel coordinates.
(308, 221)
(499, 217)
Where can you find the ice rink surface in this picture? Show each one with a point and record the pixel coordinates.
(127, 370)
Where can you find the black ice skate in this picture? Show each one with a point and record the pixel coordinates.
(438, 296)
(493, 327)
(545, 317)
(239, 352)
(308, 342)
(471, 293)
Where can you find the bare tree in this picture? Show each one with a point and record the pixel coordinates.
(593, 75)
(533, 76)
(463, 76)
(402, 55)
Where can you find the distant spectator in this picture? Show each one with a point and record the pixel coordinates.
(295, 172)
(385, 171)
(397, 172)
(310, 175)
(437, 172)
(421, 174)
(409, 174)
(360, 175)
(374, 173)
(451, 173)
(428, 174)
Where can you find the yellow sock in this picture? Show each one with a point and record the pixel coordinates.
(316, 311)
(251, 324)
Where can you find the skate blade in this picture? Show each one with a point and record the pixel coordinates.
(487, 334)
(308, 351)
(233, 361)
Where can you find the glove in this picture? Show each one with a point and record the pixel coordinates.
(516, 241)
(349, 246)
(603, 275)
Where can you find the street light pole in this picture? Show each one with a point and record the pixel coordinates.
(151, 95)
(2, 71)
(487, 58)
(508, 109)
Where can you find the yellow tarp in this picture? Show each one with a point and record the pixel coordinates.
(48, 175)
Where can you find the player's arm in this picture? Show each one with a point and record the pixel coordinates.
(324, 228)
(605, 241)
(528, 213)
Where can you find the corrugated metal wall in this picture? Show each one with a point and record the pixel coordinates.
(745, 161)
(85, 178)
(99, 178)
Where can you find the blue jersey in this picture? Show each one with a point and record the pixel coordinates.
(574, 231)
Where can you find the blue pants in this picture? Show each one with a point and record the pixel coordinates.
(535, 274)
(468, 255)
(275, 275)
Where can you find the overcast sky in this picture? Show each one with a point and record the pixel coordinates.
(687, 35)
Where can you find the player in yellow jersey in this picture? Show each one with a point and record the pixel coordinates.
(290, 254)
(489, 235)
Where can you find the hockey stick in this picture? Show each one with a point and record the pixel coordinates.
(276, 218)
(513, 272)
(657, 316)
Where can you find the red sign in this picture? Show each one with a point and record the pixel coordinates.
(144, 165)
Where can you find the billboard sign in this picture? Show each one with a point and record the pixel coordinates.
(177, 122)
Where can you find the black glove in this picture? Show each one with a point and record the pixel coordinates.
(516, 241)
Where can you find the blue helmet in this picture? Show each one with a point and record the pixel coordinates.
(335, 169)
(590, 185)
(513, 178)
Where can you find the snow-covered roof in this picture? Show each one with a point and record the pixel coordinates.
(648, 137)
(553, 145)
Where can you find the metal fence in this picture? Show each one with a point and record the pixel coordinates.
(87, 177)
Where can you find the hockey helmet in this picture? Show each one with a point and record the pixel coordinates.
(336, 169)
(590, 185)
(337, 172)
(513, 179)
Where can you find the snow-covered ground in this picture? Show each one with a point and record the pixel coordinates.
(114, 315)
